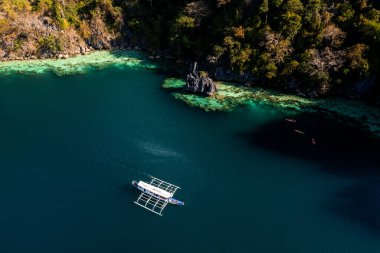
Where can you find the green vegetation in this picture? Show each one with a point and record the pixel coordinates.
(322, 45)
(49, 44)
(73, 12)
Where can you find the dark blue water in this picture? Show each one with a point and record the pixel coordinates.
(70, 146)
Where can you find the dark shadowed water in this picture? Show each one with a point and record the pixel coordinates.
(70, 146)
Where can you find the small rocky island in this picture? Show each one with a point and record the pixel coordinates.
(199, 82)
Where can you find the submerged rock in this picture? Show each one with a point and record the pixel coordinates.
(199, 82)
(230, 96)
(173, 83)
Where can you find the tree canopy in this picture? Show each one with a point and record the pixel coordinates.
(321, 43)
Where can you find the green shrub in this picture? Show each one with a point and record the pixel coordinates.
(49, 45)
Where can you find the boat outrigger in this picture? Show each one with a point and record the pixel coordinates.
(156, 195)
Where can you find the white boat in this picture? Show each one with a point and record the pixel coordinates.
(156, 195)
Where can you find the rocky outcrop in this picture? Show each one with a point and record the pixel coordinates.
(33, 35)
(198, 82)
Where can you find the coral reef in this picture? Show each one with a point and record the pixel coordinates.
(78, 64)
(230, 96)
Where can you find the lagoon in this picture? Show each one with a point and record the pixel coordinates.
(71, 144)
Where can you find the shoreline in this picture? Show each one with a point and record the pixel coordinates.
(78, 64)
(228, 97)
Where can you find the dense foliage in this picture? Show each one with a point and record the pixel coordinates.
(318, 44)
(324, 43)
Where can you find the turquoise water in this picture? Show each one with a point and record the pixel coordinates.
(71, 145)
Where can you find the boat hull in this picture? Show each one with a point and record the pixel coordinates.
(169, 200)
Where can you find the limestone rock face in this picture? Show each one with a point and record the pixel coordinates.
(31, 35)
(198, 83)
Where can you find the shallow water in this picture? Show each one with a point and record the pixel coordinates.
(71, 145)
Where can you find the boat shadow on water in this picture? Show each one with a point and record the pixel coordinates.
(339, 148)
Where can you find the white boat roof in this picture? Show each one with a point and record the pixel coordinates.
(155, 190)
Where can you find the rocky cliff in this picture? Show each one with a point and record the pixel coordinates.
(29, 31)
(199, 82)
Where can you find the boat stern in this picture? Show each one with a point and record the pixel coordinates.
(176, 202)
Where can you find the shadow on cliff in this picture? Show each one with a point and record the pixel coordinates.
(338, 148)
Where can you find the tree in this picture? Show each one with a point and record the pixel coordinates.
(277, 46)
(357, 60)
(220, 3)
(184, 22)
(290, 24)
(294, 6)
(312, 15)
(263, 9)
(277, 3)
(333, 35)
(267, 68)
(345, 13)
(371, 29)
(49, 45)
